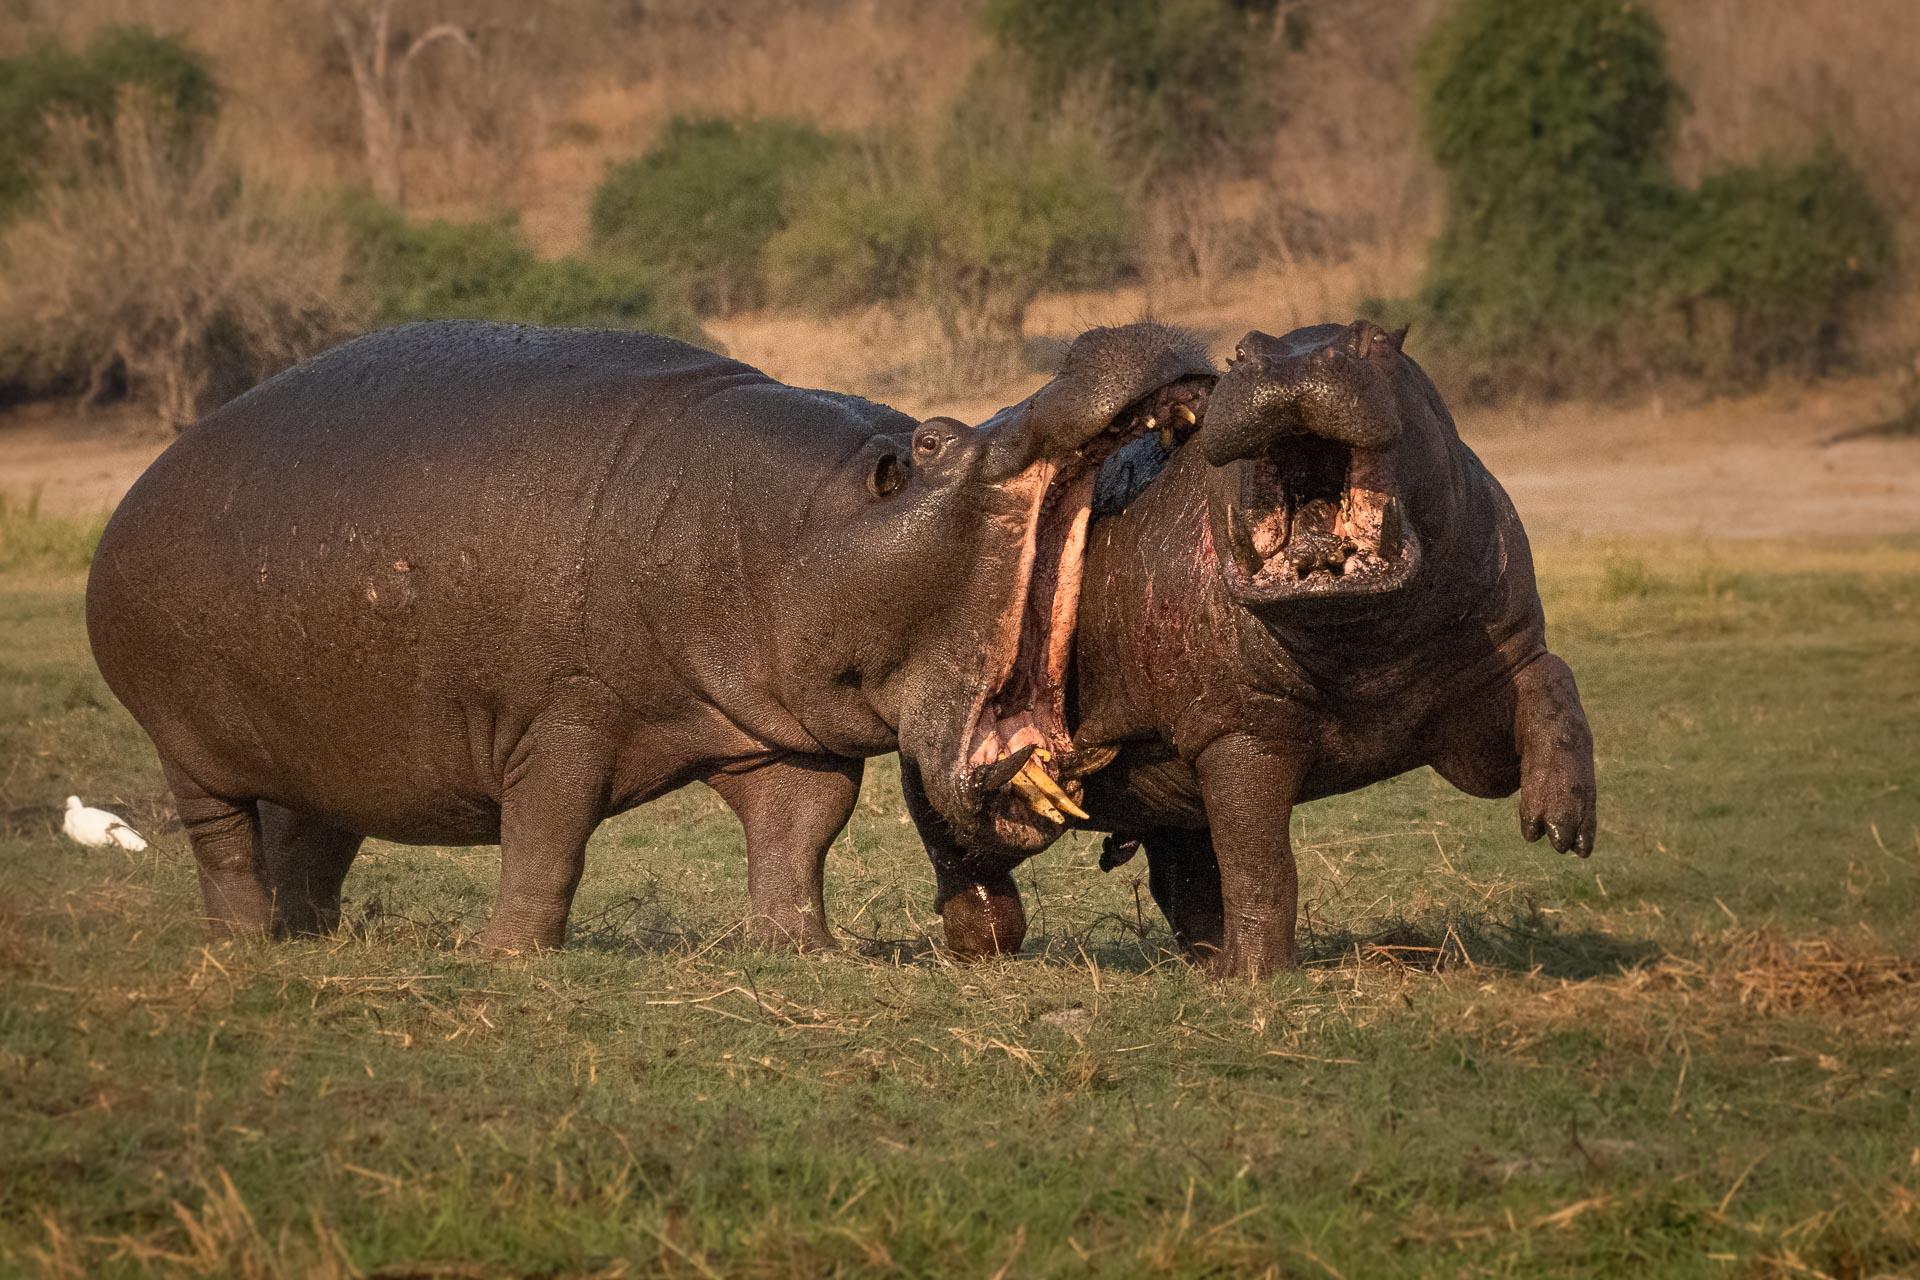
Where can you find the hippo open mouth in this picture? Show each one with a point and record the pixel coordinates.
(1021, 735)
(1317, 518)
(1305, 431)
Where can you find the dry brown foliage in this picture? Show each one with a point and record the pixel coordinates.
(152, 261)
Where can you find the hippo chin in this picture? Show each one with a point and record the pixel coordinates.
(465, 583)
(1323, 589)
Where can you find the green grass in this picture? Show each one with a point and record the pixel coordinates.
(1692, 1055)
(34, 539)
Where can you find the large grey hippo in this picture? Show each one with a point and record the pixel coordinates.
(464, 583)
(1324, 588)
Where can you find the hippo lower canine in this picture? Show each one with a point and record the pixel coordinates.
(462, 583)
(1321, 589)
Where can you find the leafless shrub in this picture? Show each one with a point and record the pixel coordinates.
(1349, 172)
(1767, 76)
(382, 83)
(1193, 235)
(153, 266)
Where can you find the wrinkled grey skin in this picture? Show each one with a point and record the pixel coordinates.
(464, 583)
(1230, 696)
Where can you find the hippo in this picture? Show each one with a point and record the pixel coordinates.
(466, 583)
(1322, 587)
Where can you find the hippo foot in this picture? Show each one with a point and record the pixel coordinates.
(1557, 801)
(983, 921)
(305, 921)
(809, 935)
(1243, 960)
(518, 940)
(237, 929)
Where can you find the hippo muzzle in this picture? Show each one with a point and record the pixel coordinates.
(1305, 434)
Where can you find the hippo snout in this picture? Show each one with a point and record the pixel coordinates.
(1331, 381)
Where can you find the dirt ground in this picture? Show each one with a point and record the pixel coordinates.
(1758, 465)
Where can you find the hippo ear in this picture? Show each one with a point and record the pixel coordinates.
(1365, 338)
(885, 474)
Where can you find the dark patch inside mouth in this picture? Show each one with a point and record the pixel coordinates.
(1319, 515)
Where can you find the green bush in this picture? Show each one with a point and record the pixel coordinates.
(1571, 258)
(974, 228)
(1550, 121)
(702, 203)
(52, 81)
(1778, 249)
(1184, 80)
(486, 271)
(862, 230)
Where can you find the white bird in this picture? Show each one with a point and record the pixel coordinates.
(97, 827)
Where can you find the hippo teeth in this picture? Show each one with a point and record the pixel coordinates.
(1389, 545)
(1317, 518)
(1037, 787)
(1027, 709)
(1241, 537)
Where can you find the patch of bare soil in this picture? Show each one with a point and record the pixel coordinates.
(76, 463)
(1758, 466)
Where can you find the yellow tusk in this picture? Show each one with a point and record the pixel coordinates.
(1047, 787)
(1166, 439)
(1036, 799)
(1181, 411)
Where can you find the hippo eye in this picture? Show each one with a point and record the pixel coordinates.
(927, 443)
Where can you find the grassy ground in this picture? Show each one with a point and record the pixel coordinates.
(1693, 1055)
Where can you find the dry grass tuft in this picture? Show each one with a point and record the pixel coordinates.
(218, 1237)
(1766, 973)
(1731, 984)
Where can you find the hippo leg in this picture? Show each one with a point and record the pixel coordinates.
(544, 827)
(1530, 736)
(978, 902)
(306, 862)
(226, 848)
(555, 793)
(791, 810)
(1249, 794)
(1558, 796)
(1184, 878)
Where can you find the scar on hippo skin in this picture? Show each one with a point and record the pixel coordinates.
(1322, 588)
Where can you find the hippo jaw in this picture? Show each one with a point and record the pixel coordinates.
(1020, 743)
(1310, 506)
(1020, 772)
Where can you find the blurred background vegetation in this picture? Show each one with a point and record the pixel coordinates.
(1576, 198)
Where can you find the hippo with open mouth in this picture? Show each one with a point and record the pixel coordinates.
(1323, 588)
(464, 583)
